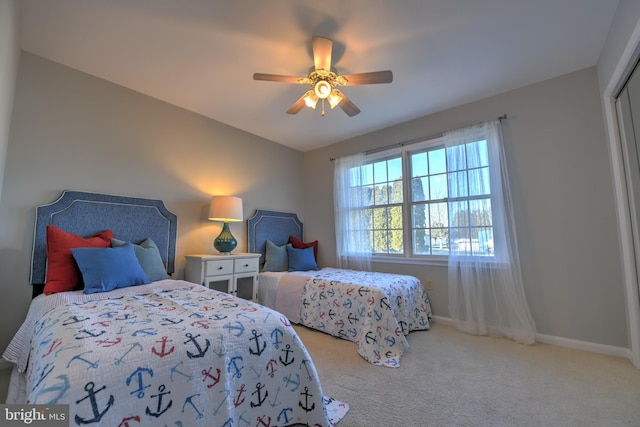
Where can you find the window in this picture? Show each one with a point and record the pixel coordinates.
(425, 201)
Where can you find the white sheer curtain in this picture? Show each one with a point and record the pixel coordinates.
(486, 293)
(353, 245)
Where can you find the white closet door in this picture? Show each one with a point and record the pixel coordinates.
(628, 108)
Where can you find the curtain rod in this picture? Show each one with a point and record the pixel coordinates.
(414, 141)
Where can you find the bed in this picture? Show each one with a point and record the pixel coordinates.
(374, 310)
(161, 352)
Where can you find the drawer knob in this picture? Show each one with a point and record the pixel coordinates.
(246, 265)
(220, 268)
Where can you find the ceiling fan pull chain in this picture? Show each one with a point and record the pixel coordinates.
(322, 107)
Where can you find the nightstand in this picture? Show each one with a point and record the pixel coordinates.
(235, 274)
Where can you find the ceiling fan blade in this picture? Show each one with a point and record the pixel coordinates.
(373, 77)
(348, 106)
(322, 48)
(275, 78)
(297, 106)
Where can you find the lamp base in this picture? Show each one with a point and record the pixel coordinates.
(225, 242)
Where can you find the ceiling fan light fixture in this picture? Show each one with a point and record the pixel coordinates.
(335, 98)
(323, 89)
(311, 99)
(323, 81)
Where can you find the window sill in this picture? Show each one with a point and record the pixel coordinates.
(441, 261)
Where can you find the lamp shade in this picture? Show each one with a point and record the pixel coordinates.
(226, 209)
(311, 99)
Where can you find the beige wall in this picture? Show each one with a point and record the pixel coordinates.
(563, 197)
(9, 58)
(74, 131)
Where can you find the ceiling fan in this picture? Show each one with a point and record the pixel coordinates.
(324, 81)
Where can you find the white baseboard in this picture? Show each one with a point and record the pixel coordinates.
(607, 350)
(443, 320)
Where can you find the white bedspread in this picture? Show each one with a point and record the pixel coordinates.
(282, 291)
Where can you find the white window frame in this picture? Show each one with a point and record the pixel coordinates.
(405, 152)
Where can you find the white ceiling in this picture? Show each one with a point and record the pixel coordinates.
(201, 54)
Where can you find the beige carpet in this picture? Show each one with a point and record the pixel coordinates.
(452, 379)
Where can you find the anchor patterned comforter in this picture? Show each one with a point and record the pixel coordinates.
(374, 310)
(167, 354)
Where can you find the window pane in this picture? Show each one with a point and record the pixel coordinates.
(395, 217)
(359, 220)
(397, 195)
(419, 164)
(419, 189)
(456, 158)
(421, 242)
(364, 193)
(367, 236)
(485, 241)
(477, 154)
(460, 241)
(438, 215)
(380, 172)
(459, 214)
(476, 241)
(355, 176)
(367, 219)
(480, 212)
(457, 235)
(437, 161)
(419, 216)
(458, 184)
(479, 182)
(440, 241)
(381, 195)
(396, 244)
(380, 241)
(366, 174)
(394, 169)
(438, 187)
(380, 218)
(362, 236)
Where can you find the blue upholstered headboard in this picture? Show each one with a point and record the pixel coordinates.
(274, 226)
(130, 218)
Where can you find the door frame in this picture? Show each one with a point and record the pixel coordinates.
(626, 63)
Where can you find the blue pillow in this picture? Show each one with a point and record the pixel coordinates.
(105, 269)
(301, 259)
(149, 258)
(276, 258)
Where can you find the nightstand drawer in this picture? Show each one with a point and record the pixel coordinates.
(249, 265)
(219, 266)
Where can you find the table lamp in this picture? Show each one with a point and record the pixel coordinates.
(226, 209)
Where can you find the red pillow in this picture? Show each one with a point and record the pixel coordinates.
(62, 271)
(299, 244)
